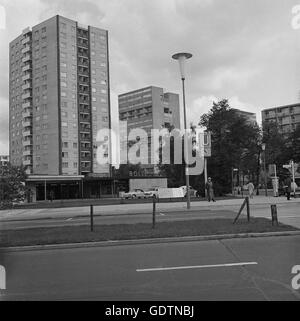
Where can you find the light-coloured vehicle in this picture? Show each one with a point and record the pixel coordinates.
(193, 192)
(137, 193)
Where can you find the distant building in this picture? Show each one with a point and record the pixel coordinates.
(250, 117)
(148, 108)
(287, 117)
(4, 160)
(59, 100)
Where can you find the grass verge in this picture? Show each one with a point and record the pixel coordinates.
(81, 234)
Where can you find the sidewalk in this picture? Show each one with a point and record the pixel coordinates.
(142, 208)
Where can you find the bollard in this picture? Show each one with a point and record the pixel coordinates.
(248, 208)
(154, 212)
(92, 218)
(274, 214)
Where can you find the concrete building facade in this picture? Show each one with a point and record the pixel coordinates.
(59, 99)
(147, 108)
(287, 117)
(250, 117)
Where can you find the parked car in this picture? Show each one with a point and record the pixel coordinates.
(137, 193)
(154, 192)
(193, 192)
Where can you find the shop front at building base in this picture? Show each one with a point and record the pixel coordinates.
(41, 188)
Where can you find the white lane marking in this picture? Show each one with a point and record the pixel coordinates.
(196, 267)
(69, 219)
(162, 214)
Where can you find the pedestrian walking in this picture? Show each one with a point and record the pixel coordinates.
(210, 190)
(51, 196)
(251, 189)
(288, 184)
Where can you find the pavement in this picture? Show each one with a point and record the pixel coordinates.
(237, 269)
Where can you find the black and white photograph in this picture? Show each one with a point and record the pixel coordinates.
(149, 153)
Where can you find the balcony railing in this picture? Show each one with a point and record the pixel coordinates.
(26, 49)
(27, 142)
(27, 133)
(26, 77)
(27, 95)
(27, 162)
(27, 104)
(27, 68)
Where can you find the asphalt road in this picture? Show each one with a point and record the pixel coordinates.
(171, 271)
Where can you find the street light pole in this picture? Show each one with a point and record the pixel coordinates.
(182, 57)
(265, 170)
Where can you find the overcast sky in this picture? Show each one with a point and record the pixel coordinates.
(246, 51)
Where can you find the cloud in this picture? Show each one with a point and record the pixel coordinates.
(241, 49)
(203, 104)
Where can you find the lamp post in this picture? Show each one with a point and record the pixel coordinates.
(263, 147)
(182, 57)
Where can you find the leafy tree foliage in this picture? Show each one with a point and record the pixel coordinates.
(12, 185)
(235, 144)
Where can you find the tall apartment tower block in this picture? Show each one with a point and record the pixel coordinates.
(147, 108)
(59, 98)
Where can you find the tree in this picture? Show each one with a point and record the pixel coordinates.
(12, 185)
(293, 145)
(277, 151)
(235, 144)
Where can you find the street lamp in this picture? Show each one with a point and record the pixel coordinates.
(182, 57)
(263, 147)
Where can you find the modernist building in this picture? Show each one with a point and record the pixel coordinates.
(147, 108)
(250, 117)
(287, 117)
(59, 100)
(4, 160)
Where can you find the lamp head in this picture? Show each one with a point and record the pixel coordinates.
(182, 57)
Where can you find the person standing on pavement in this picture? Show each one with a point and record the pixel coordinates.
(210, 190)
(288, 184)
(251, 189)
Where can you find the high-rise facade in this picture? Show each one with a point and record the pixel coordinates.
(59, 98)
(250, 117)
(287, 117)
(147, 108)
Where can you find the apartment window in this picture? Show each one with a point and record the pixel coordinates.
(65, 154)
(63, 55)
(64, 124)
(44, 29)
(75, 165)
(63, 65)
(64, 114)
(65, 144)
(65, 165)
(63, 94)
(63, 84)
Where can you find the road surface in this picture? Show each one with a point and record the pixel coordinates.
(238, 269)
